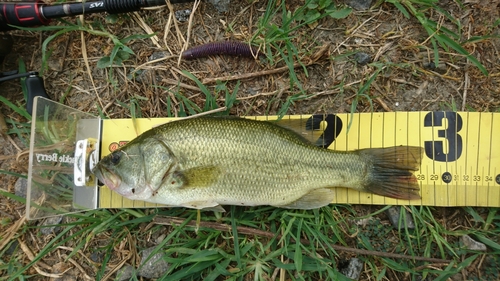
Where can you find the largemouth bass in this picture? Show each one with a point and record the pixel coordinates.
(211, 161)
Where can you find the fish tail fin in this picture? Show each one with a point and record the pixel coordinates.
(391, 171)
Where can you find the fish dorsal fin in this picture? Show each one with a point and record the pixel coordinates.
(299, 127)
(314, 199)
(319, 130)
(199, 177)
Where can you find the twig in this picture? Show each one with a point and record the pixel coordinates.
(85, 275)
(253, 231)
(30, 254)
(70, 249)
(206, 113)
(257, 95)
(354, 31)
(383, 104)
(401, 81)
(51, 275)
(19, 150)
(9, 234)
(167, 31)
(147, 28)
(195, 115)
(382, 50)
(282, 258)
(438, 27)
(143, 66)
(252, 75)
(190, 24)
(433, 266)
(182, 85)
(466, 86)
(467, 80)
(332, 91)
(87, 65)
(122, 261)
(247, 75)
(31, 257)
(180, 38)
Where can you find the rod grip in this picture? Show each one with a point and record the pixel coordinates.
(21, 14)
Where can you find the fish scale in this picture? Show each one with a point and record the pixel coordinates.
(270, 170)
(217, 161)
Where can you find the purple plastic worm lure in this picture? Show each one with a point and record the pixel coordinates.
(233, 48)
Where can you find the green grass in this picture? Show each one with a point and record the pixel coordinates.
(211, 254)
(22, 128)
(186, 107)
(262, 243)
(119, 53)
(278, 33)
(440, 36)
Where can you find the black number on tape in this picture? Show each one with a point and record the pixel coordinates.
(446, 177)
(331, 132)
(435, 149)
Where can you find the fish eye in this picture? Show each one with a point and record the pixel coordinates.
(115, 157)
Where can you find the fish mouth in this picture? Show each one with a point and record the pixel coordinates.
(108, 178)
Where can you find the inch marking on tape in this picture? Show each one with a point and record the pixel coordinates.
(460, 165)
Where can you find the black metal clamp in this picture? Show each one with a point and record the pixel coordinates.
(34, 85)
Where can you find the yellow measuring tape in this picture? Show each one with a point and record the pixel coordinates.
(460, 166)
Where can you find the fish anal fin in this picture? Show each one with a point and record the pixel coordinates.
(314, 199)
(218, 209)
(204, 205)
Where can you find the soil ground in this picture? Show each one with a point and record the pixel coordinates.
(408, 82)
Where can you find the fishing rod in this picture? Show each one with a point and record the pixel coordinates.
(36, 13)
(28, 14)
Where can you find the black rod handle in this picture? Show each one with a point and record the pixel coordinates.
(37, 13)
(21, 14)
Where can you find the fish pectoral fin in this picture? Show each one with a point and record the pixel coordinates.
(203, 176)
(204, 205)
(314, 199)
